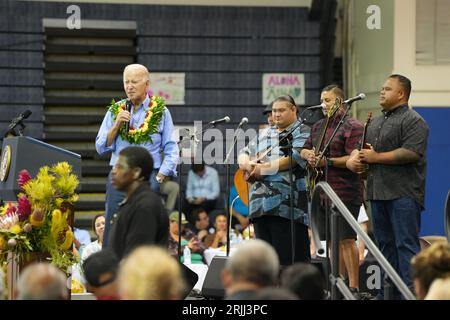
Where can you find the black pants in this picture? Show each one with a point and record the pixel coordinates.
(277, 231)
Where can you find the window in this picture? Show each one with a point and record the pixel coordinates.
(432, 32)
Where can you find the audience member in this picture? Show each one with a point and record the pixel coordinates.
(150, 273)
(201, 223)
(254, 265)
(274, 293)
(81, 239)
(202, 189)
(98, 225)
(428, 265)
(188, 238)
(219, 237)
(439, 290)
(42, 281)
(100, 271)
(304, 280)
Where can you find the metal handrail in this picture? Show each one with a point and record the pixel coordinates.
(355, 226)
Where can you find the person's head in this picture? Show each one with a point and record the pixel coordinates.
(220, 222)
(42, 281)
(254, 265)
(439, 290)
(100, 271)
(430, 264)
(98, 225)
(273, 293)
(284, 111)
(173, 222)
(268, 113)
(395, 92)
(136, 81)
(305, 280)
(150, 273)
(198, 169)
(328, 97)
(201, 218)
(134, 165)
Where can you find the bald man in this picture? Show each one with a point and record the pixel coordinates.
(164, 149)
(42, 281)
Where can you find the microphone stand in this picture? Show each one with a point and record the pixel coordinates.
(227, 167)
(192, 137)
(335, 244)
(289, 147)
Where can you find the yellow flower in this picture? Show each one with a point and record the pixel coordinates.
(2, 243)
(62, 168)
(77, 286)
(37, 217)
(16, 229)
(67, 241)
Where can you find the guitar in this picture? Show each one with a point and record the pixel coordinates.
(242, 178)
(315, 174)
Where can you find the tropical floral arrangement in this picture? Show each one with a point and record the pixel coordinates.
(39, 221)
(148, 127)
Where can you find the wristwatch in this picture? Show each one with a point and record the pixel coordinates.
(329, 162)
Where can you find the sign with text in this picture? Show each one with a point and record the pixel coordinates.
(170, 86)
(279, 84)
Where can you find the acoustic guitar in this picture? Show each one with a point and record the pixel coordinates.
(242, 178)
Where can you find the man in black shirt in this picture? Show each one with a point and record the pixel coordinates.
(396, 175)
(141, 218)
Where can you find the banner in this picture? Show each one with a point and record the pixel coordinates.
(170, 86)
(279, 84)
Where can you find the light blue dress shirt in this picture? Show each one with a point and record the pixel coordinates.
(164, 142)
(207, 187)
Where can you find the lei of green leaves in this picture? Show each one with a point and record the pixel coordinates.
(142, 136)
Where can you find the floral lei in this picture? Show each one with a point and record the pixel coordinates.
(148, 127)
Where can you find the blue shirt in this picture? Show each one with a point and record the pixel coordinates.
(270, 195)
(206, 186)
(164, 140)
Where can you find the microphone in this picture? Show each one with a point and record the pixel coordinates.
(319, 106)
(224, 119)
(128, 107)
(244, 121)
(17, 120)
(360, 96)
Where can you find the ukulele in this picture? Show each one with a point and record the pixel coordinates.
(364, 144)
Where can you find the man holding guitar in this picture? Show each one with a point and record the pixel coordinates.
(396, 162)
(269, 205)
(344, 182)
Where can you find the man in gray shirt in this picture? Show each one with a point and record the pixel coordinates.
(396, 163)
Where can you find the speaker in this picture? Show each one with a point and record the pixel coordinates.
(212, 286)
(190, 279)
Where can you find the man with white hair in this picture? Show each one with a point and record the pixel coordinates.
(253, 266)
(42, 281)
(141, 112)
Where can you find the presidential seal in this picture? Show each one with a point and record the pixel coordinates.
(5, 163)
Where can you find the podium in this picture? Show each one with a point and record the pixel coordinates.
(20, 153)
